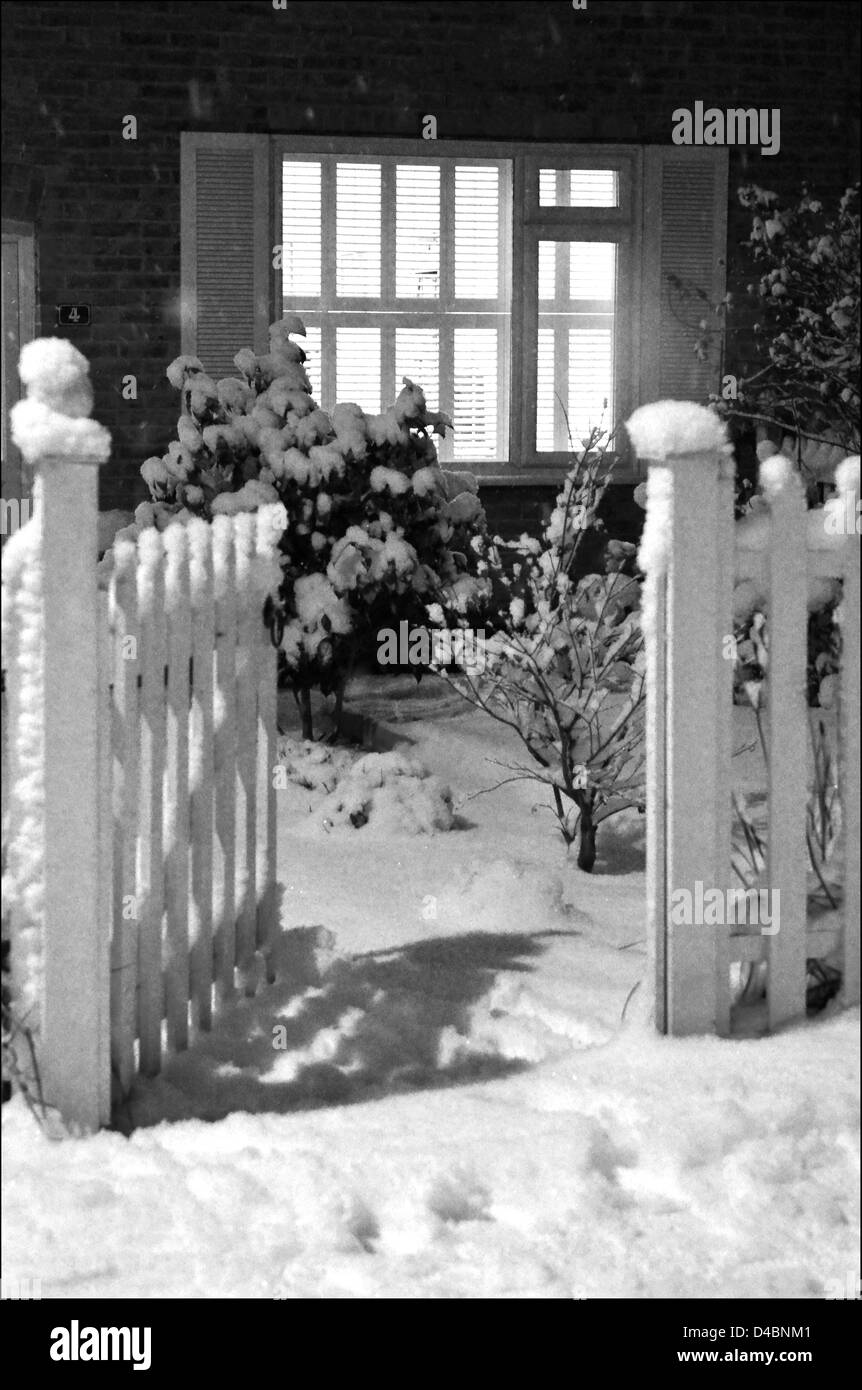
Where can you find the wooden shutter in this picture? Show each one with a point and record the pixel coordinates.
(684, 235)
(226, 247)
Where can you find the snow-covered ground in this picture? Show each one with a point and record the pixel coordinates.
(455, 1106)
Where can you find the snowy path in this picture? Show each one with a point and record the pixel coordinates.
(457, 1110)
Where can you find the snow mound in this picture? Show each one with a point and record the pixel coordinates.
(503, 894)
(386, 792)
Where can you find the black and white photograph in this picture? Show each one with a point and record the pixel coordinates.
(431, 671)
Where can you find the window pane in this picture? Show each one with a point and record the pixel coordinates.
(477, 232)
(546, 405)
(579, 188)
(476, 393)
(547, 269)
(590, 380)
(575, 346)
(417, 231)
(357, 367)
(301, 228)
(372, 324)
(357, 230)
(417, 356)
(592, 269)
(311, 346)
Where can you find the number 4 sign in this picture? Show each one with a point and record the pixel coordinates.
(73, 315)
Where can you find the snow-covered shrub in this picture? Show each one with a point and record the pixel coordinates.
(804, 309)
(387, 792)
(375, 529)
(565, 668)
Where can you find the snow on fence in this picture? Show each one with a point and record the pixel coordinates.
(140, 881)
(693, 553)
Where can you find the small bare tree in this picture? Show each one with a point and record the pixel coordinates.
(565, 668)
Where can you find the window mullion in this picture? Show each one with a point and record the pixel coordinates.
(518, 289)
(328, 346)
(447, 235)
(504, 306)
(446, 349)
(328, 234)
(387, 361)
(387, 232)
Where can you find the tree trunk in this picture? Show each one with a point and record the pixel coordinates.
(586, 841)
(305, 711)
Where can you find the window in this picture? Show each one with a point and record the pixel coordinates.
(407, 275)
(524, 287)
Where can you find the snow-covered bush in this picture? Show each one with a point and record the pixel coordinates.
(375, 529)
(565, 668)
(388, 792)
(804, 306)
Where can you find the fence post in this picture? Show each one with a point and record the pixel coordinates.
(75, 1027)
(52, 429)
(689, 680)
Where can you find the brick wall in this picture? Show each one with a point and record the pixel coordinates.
(107, 210)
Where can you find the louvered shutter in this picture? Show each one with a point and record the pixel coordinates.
(685, 235)
(226, 247)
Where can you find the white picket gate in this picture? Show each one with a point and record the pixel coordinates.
(140, 812)
(693, 553)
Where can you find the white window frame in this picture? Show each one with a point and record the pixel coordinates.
(528, 223)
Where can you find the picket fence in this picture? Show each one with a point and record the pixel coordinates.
(158, 739)
(693, 553)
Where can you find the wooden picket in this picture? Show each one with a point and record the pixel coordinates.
(787, 744)
(123, 621)
(270, 523)
(225, 752)
(201, 775)
(177, 819)
(692, 555)
(246, 730)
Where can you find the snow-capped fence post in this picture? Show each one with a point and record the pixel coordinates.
(52, 431)
(692, 553)
(687, 556)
